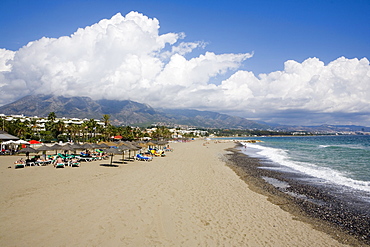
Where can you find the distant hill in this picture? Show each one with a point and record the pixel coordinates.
(122, 112)
(208, 118)
(325, 128)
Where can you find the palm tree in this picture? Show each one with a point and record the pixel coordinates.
(20, 128)
(34, 128)
(161, 133)
(109, 131)
(59, 128)
(106, 118)
(91, 127)
(52, 116)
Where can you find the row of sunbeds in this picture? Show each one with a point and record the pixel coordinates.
(74, 160)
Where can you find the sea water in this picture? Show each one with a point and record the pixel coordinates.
(342, 162)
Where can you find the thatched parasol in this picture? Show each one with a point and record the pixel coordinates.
(87, 146)
(56, 147)
(103, 145)
(131, 147)
(76, 146)
(123, 148)
(44, 148)
(66, 148)
(27, 151)
(112, 152)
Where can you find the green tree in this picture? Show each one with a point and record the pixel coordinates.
(106, 119)
(161, 132)
(91, 128)
(52, 116)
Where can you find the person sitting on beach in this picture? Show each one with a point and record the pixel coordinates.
(59, 160)
(39, 161)
(74, 162)
(20, 161)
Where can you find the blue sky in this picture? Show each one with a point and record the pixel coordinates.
(275, 31)
(327, 43)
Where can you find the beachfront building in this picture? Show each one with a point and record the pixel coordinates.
(177, 132)
(38, 127)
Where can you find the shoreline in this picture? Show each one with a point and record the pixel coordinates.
(188, 198)
(343, 224)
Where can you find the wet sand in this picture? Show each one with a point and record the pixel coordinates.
(188, 198)
(317, 204)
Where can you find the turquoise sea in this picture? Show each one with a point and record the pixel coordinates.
(331, 172)
(342, 160)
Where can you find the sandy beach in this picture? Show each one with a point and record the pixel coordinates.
(188, 198)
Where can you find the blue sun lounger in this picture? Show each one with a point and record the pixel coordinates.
(143, 158)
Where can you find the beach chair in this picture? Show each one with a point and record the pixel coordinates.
(46, 162)
(19, 165)
(74, 163)
(143, 158)
(30, 163)
(160, 153)
(60, 165)
(84, 158)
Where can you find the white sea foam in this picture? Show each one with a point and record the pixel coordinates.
(324, 146)
(281, 157)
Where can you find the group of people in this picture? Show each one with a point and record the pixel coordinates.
(60, 162)
(36, 161)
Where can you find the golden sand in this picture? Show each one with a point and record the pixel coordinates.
(188, 198)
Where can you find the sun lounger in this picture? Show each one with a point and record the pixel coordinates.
(19, 165)
(30, 163)
(160, 153)
(60, 165)
(75, 164)
(86, 159)
(143, 158)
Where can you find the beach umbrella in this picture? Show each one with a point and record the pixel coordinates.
(8, 142)
(162, 143)
(142, 144)
(34, 142)
(112, 152)
(136, 144)
(21, 142)
(87, 146)
(44, 148)
(131, 147)
(76, 146)
(103, 145)
(56, 147)
(123, 148)
(111, 144)
(151, 144)
(28, 150)
(95, 145)
(67, 147)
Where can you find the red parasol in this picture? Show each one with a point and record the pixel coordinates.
(34, 142)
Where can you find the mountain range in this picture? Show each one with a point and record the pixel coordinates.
(126, 112)
(123, 112)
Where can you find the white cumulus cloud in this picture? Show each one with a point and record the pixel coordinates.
(311, 87)
(125, 57)
(120, 58)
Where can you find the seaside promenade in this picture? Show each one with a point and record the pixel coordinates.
(188, 198)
